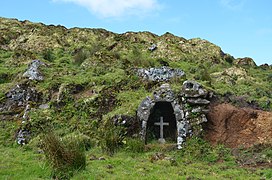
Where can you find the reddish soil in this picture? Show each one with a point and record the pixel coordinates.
(238, 127)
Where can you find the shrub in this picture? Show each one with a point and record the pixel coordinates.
(48, 55)
(65, 156)
(80, 56)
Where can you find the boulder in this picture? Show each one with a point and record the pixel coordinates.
(193, 89)
(23, 137)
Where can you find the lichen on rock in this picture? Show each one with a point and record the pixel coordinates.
(33, 72)
(160, 74)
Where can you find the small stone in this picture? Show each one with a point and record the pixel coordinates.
(101, 159)
(198, 101)
(93, 157)
(44, 106)
(152, 48)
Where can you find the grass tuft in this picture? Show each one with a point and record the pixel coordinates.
(65, 156)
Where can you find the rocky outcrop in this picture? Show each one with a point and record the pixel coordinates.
(33, 72)
(20, 95)
(238, 127)
(160, 74)
(232, 75)
(19, 101)
(245, 62)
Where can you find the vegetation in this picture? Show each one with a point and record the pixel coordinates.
(65, 156)
(89, 78)
(155, 163)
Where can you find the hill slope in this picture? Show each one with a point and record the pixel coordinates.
(88, 75)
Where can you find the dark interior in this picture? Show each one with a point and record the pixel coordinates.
(165, 110)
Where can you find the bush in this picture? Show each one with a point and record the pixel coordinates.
(48, 55)
(81, 56)
(65, 156)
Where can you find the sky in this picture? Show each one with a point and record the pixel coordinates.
(242, 28)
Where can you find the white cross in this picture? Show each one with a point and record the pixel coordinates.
(161, 124)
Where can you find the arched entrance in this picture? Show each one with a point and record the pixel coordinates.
(161, 123)
(161, 116)
(166, 114)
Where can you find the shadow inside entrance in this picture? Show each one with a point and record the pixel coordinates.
(164, 111)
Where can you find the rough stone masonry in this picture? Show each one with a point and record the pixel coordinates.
(189, 109)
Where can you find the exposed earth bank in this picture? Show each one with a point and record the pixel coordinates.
(238, 127)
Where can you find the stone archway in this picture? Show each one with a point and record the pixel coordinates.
(164, 97)
(162, 110)
(188, 111)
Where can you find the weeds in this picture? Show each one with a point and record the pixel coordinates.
(110, 137)
(65, 156)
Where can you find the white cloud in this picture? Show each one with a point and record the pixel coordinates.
(233, 4)
(117, 8)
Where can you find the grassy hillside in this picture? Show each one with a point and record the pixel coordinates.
(89, 77)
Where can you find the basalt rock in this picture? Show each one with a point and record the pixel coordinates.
(23, 136)
(18, 100)
(160, 74)
(20, 95)
(33, 71)
(192, 89)
(188, 107)
(153, 47)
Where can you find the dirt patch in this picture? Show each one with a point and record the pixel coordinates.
(84, 94)
(238, 127)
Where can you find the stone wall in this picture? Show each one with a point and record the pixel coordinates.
(189, 109)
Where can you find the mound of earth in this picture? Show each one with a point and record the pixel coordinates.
(238, 127)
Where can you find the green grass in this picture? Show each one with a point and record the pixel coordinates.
(21, 163)
(18, 163)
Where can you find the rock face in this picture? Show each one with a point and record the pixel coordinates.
(188, 109)
(160, 74)
(20, 99)
(33, 72)
(238, 127)
(20, 96)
